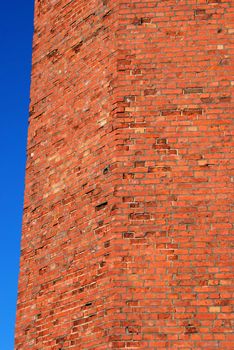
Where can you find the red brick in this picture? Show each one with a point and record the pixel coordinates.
(127, 225)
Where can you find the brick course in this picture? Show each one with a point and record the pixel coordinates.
(127, 225)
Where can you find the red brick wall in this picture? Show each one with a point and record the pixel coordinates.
(127, 222)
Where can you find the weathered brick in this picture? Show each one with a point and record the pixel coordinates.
(127, 225)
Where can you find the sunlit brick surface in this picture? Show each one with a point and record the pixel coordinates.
(128, 220)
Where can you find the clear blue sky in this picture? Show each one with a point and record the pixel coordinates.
(16, 27)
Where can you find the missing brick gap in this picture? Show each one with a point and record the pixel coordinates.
(101, 206)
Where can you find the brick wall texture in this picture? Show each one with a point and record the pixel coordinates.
(127, 223)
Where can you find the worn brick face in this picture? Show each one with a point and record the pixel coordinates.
(127, 226)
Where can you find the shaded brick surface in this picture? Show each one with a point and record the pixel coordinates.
(128, 220)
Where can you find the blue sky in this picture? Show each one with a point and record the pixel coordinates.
(16, 27)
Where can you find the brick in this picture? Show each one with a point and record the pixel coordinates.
(214, 309)
(127, 226)
(193, 90)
